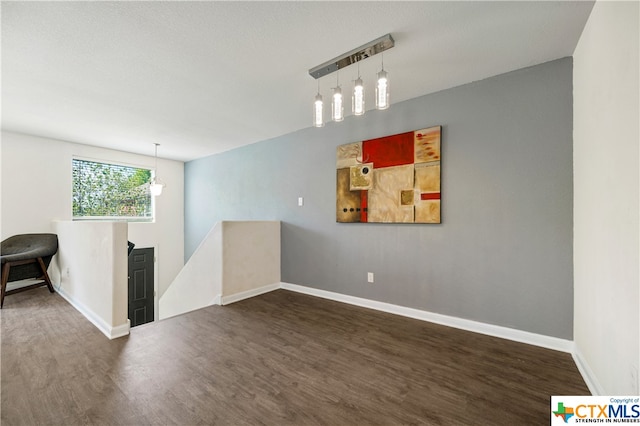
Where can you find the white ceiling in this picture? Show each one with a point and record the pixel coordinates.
(205, 77)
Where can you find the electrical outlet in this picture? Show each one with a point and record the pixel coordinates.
(300, 201)
(370, 277)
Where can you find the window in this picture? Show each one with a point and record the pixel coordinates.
(103, 191)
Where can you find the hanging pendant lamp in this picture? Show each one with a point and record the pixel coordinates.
(357, 99)
(337, 106)
(156, 186)
(318, 109)
(365, 51)
(382, 89)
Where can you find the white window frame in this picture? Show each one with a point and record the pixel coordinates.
(115, 218)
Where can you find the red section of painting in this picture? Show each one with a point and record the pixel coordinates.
(389, 151)
(363, 206)
(430, 196)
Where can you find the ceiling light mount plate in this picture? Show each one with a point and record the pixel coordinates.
(363, 52)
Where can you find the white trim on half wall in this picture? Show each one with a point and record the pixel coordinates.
(225, 300)
(106, 329)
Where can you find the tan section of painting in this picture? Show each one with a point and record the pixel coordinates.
(361, 176)
(428, 177)
(406, 197)
(346, 199)
(427, 144)
(384, 197)
(349, 155)
(428, 211)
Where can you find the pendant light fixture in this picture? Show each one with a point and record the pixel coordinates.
(382, 88)
(318, 109)
(337, 106)
(365, 51)
(156, 186)
(357, 99)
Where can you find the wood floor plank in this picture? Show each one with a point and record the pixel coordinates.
(278, 359)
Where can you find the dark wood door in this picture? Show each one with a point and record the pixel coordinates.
(141, 298)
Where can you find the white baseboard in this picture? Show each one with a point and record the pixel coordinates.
(225, 300)
(106, 329)
(548, 342)
(182, 310)
(120, 330)
(587, 373)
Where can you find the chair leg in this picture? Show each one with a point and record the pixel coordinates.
(45, 276)
(5, 278)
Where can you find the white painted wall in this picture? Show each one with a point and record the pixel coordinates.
(36, 189)
(236, 260)
(606, 199)
(199, 283)
(92, 259)
(251, 257)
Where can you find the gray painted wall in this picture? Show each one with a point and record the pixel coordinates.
(503, 253)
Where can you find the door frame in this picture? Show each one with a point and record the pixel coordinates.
(156, 274)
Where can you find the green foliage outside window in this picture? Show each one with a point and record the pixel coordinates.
(110, 191)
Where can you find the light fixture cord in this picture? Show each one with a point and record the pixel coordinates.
(156, 168)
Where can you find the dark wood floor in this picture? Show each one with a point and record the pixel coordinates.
(278, 359)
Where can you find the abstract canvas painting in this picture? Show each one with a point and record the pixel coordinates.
(393, 179)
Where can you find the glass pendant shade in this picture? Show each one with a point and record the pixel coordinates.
(382, 90)
(357, 99)
(155, 188)
(318, 111)
(337, 107)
